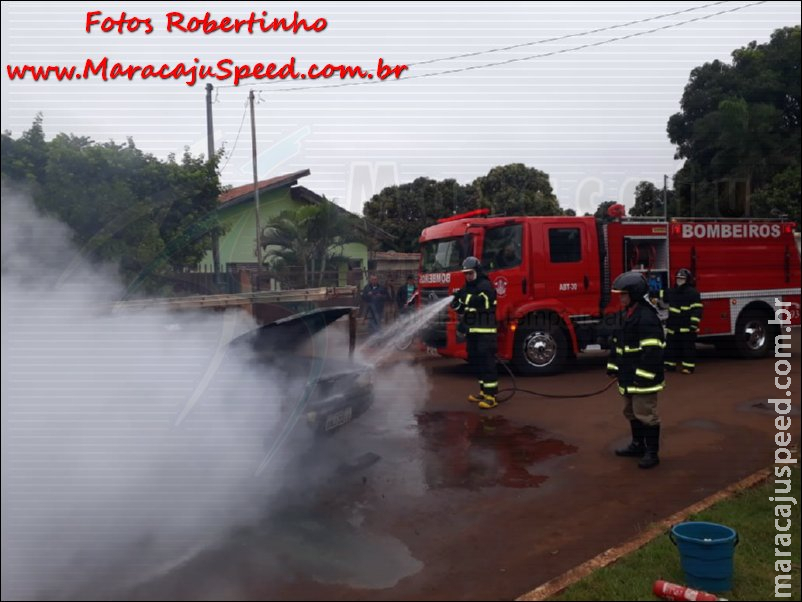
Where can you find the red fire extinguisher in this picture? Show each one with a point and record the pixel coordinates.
(672, 591)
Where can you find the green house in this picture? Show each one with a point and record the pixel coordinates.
(236, 211)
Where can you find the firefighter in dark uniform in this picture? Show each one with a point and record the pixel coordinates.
(636, 359)
(476, 303)
(684, 314)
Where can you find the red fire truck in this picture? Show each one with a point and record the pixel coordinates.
(553, 278)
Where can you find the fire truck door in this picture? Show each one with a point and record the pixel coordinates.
(571, 271)
(502, 256)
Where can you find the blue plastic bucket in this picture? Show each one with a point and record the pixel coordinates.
(706, 551)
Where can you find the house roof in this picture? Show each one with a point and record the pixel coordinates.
(299, 193)
(245, 192)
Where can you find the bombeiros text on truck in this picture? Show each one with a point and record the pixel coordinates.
(553, 278)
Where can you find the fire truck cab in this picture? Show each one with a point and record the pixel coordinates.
(553, 278)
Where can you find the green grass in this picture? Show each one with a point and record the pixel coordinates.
(750, 513)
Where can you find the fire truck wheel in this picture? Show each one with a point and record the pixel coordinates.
(753, 334)
(540, 351)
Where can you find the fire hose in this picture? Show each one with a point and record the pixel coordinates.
(516, 389)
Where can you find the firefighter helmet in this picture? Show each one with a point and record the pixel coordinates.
(633, 283)
(471, 264)
(684, 273)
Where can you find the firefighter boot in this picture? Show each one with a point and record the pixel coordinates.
(476, 398)
(652, 438)
(489, 402)
(637, 448)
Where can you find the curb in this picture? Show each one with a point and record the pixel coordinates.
(556, 585)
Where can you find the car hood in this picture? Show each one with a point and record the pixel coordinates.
(287, 334)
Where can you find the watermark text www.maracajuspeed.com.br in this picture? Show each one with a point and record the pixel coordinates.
(783, 455)
(190, 73)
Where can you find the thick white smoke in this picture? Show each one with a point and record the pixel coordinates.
(130, 439)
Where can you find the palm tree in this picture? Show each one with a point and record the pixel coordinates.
(311, 237)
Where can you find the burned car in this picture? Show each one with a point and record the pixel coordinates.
(327, 390)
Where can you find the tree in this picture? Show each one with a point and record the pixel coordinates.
(781, 197)
(405, 210)
(601, 210)
(516, 189)
(309, 237)
(25, 158)
(739, 126)
(149, 216)
(649, 200)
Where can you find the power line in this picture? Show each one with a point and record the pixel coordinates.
(565, 37)
(519, 59)
(536, 42)
(231, 154)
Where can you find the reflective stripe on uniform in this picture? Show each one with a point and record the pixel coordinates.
(468, 298)
(675, 310)
(667, 363)
(482, 330)
(645, 390)
(697, 305)
(632, 390)
(652, 343)
(628, 349)
(645, 374)
(688, 365)
(487, 300)
(612, 366)
(695, 319)
(491, 385)
(670, 330)
(684, 329)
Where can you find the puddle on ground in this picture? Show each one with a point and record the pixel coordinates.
(470, 451)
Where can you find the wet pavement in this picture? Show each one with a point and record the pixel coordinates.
(471, 450)
(427, 497)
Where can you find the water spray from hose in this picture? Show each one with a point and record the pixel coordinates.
(379, 346)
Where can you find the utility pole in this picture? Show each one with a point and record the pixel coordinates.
(665, 197)
(210, 142)
(255, 188)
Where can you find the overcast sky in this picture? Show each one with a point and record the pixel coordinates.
(592, 117)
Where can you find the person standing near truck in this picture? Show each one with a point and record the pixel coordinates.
(375, 296)
(636, 360)
(476, 303)
(684, 315)
(405, 297)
